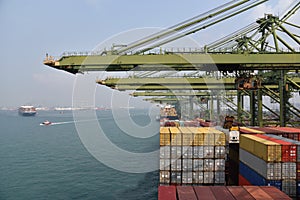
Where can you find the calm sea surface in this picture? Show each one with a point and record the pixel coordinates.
(39, 162)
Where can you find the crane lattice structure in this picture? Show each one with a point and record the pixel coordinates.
(258, 48)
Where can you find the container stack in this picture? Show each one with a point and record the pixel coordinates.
(291, 169)
(260, 161)
(192, 156)
(269, 160)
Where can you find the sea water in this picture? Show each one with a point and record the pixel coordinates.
(50, 162)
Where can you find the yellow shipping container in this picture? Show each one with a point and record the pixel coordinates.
(220, 139)
(253, 130)
(209, 137)
(176, 139)
(198, 136)
(164, 136)
(264, 149)
(187, 136)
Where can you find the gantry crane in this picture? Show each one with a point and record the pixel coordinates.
(240, 53)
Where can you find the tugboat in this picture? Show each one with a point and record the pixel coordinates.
(27, 111)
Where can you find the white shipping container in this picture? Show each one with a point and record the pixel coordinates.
(219, 164)
(289, 187)
(219, 177)
(269, 170)
(208, 151)
(198, 152)
(176, 165)
(164, 164)
(176, 152)
(289, 170)
(198, 177)
(208, 177)
(187, 177)
(187, 165)
(164, 152)
(187, 152)
(220, 152)
(198, 165)
(208, 164)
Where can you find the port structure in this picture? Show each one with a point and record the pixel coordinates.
(267, 47)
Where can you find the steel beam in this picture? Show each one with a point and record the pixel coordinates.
(159, 62)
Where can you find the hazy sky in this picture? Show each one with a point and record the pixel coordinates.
(30, 29)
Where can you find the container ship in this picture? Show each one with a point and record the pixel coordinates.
(27, 111)
(168, 112)
(203, 160)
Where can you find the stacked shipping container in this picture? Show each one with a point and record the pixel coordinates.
(269, 160)
(190, 155)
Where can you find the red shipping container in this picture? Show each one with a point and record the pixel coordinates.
(288, 150)
(167, 193)
(204, 193)
(221, 192)
(186, 193)
(240, 193)
(243, 180)
(257, 193)
(269, 130)
(274, 193)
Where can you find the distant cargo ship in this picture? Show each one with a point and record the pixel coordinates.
(27, 110)
(169, 112)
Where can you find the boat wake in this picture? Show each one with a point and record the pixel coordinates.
(48, 123)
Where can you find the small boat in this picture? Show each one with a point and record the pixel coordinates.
(46, 123)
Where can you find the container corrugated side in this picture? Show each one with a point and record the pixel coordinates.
(164, 177)
(204, 193)
(221, 192)
(164, 136)
(164, 164)
(176, 177)
(288, 149)
(187, 177)
(240, 193)
(257, 192)
(187, 165)
(289, 170)
(269, 170)
(220, 152)
(167, 193)
(275, 193)
(267, 150)
(220, 139)
(295, 142)
(289, 187)
(256, 179)
(198, 177)
(187, 152)
(186, 193)
(208, 177)
(187, 136)
(165, 152)
(176, 136)
(198, 165)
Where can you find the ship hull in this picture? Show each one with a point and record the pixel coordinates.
(27, 111)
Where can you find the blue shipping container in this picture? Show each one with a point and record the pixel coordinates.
(256, 179)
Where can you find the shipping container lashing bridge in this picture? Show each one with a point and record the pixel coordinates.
(267, 48)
